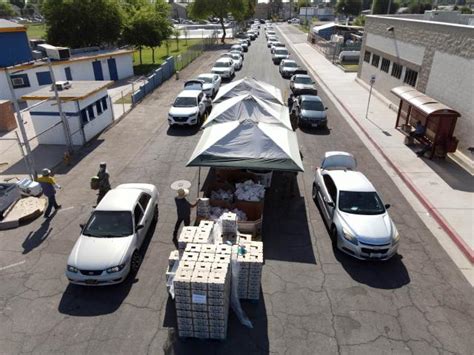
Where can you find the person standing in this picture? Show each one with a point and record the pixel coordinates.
(49, 186)
(104, 183)
(183, 209)
(294, 118)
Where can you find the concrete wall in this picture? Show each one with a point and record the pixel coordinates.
(441, 53)
(80, 70)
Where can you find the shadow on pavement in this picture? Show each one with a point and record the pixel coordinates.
(82, 301)
(452, 174)
(388, 275)
(36, 238)
(182, 131)
(285, 226)
(315, 131)
(240, 339)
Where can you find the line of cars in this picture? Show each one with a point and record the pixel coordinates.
(277, 48)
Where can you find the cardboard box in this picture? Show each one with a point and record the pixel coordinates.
(173, 258)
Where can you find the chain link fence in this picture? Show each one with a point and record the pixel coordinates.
(331, 50)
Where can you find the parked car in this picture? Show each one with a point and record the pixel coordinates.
(237, 47)
(279, 54)
(245, 40)
(237, 59)
(244, 45)
(109, 245)
(269, 33)
(271, 40)
(224, 67)
(310, 111)
(301, 84)
(189, 108)
(352, 209)
(241, 54)
(212, 83)
(276, 45)
(287, 68)
(198, 84)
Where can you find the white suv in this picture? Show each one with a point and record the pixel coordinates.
(224, 67)
(188, 109)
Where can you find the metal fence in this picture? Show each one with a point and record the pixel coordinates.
(331, 50)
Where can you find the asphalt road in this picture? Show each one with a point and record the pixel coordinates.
(315, 300)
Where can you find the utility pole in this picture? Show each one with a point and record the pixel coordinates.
(30, 165)
(67, 131)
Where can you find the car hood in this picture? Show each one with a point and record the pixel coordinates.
(313, 114)
(91, 253)
(207, 86)
(372, 229)
(304, 86)
(183, 111)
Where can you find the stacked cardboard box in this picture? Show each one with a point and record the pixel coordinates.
(249, 260)
(202, 291)
(199, 235)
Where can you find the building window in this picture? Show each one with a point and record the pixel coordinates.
(410, 77)
(385, 65)
(90, 110)
(44, 78)
(20, 81)
(104, 103)
(397, 70)
(99, 107)
(375, 60)
(84, 116)
(367, 56)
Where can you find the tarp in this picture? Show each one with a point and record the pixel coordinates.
(244, 107)
(248, 145)
(249, 86)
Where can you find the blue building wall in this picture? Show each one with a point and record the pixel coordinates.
(14, 48)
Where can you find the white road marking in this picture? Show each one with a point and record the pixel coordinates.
(12, 265)
(65, 209)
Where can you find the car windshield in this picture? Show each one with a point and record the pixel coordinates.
(236, 56)
(290, 65)
(185, 102)
(281, 51)
(109, 224)
(205, 79)
(303, 80)
(360, 202)
(312, 105)
(222, 64)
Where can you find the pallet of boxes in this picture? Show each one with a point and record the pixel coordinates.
(203, 276)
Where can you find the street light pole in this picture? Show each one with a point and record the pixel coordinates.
(67, 131)
(30, 165)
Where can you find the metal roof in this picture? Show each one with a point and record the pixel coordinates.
(10, 26)
(423, 102)
(79, 90)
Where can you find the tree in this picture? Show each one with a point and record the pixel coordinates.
(303, 3)
(251, 6)
(220, 9)
(147, 27)
(6, 10)
(359, 21)
(82, 23)
(466, 10)
(176, 34)
(381, 6)
(349, 7)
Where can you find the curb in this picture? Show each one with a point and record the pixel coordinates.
(460, 243)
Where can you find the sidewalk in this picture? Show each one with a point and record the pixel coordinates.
(444, 198)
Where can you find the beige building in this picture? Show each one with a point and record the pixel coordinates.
(437, 58)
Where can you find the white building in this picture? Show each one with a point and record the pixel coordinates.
(29, 77)
(85, 104)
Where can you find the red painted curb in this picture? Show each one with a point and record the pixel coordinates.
(461, 244)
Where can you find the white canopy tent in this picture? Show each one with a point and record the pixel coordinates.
(249, 107)
(249, 86)
(248, 145)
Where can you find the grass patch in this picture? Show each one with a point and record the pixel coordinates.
(36, 30)
(160, 55)
(304, 28)
(350, 68)
(127, 99)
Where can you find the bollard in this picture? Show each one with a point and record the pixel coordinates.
(177, 74)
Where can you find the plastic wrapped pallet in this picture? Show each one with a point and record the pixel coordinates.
(229, 223)
(250, 263)
(202, 291)
(203, 207)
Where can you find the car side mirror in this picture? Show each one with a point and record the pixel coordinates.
(81, 225)
(140, 226)
(326, 108)
(387, 206)
(330, 203)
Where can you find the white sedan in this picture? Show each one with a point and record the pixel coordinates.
(353, 211)
(212, 83)
(109, 245)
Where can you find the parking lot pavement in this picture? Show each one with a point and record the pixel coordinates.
(314, 299)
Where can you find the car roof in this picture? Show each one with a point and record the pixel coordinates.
(189, 93)
(301, 76)
(348, 180)
(207, 75)
(284, 61)
(119, 200)
(225, 60)
(310, 98)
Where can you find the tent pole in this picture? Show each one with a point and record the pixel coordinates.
(199, 182)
